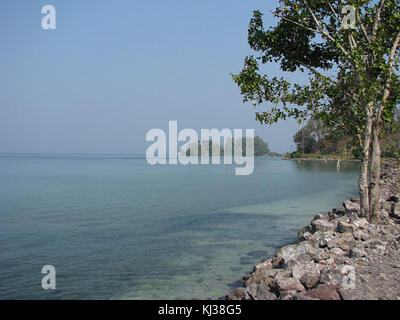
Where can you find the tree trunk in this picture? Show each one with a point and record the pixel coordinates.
(363, 183)
(375, 191)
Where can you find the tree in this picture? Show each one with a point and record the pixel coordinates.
(352, 63)
(317, 137)
(260, 147)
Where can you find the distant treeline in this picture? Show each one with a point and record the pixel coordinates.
(316, 138)
(260, 148)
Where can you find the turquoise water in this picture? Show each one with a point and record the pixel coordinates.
(117, 228)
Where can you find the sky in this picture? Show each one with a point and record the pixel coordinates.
(112, 70)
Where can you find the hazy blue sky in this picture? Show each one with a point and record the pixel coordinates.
(112, 70)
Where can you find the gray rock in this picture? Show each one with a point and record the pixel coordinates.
(321, 225)
(332, 276)
(325, 239)
(299, 270)
(344, 227)
(351, 207)
(258, 291)
(237, 294)
(293, 252)
(289, 284)
(319, 216)
(304, 234)
(360, 223)
(345, 241)
(338, 251)
(309, 280)
(357, 253)
(288, 295)
(360, 235)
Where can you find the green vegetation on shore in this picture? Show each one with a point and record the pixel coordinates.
(260, 148)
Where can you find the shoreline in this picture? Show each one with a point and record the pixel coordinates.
(321, 159)
(338, 256)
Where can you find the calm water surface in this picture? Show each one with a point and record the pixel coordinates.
(115, 227)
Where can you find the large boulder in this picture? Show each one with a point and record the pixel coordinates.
(288, 284)
(310, 280)
(258, 291)
(332, 276)
(261, 275)
(324, 292)
(357, 253)
(345, 241)
(237, 294)
(301, 269)
(361, 235)
(351, 207)
(266, 265)
(302, 250)
(321, 225)
(344, 227)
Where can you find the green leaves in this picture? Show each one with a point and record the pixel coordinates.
(348, 69)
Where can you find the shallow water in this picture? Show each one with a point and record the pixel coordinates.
(117, 228)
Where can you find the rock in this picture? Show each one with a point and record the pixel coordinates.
(360, 223)
(393, 199)
(325, 239)
(329, 261)
(344, 227)
(336, 213)
(299, 270)
(348, 294)
(395, 212)
(262, 275)
(258, 292)
(288, 284)
(387, 206)
(310, 280)
(295, 251)
(304, 234)
(321, 256)
(332, 276)
(338, 251)
(360, 235)
(351, 207)
(357, 253)
(288, 295)
(319, 216)
(339, 212)
(324, 292)
(266, 265)
(321, 225)
(237, 294)
(302, 297)
(345, 241)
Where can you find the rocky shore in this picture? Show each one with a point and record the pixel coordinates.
(338, 256)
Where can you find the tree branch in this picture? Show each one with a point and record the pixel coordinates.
(388, 85)
(322, 31)
(377, 20)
